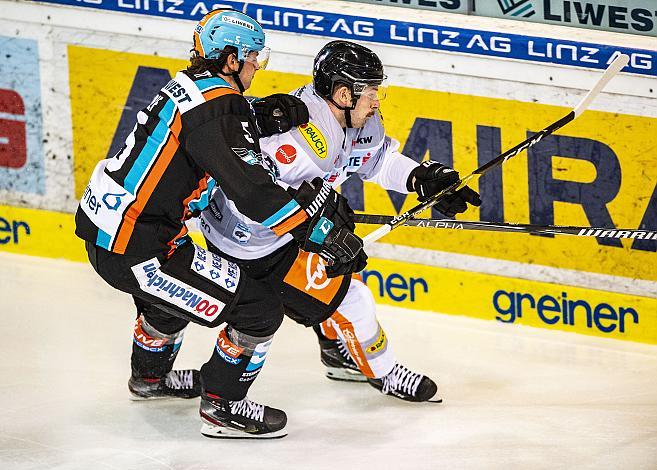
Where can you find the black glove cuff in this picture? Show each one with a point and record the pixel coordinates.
(409, 181)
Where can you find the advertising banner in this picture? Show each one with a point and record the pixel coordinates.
(620, 16)
(451, 6)
(597, 171)
(403, 33)
(515, 301)
(21, 134)
(40, 233)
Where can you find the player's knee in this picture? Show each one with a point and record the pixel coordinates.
(364, 297)
(247, 343)
(162, 321)
(149, 337)
(265, 325)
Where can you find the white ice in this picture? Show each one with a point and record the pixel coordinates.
(515, 397)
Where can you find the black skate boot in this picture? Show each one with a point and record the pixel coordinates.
(243, 419)
(176, 384)
(339, 364)
(407, 385)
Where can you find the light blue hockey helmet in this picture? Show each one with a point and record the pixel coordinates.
(221, 28)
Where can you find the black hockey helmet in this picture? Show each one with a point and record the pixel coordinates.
(347, 63)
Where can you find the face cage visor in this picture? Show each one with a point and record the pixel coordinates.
(375, 90)
(258, 58)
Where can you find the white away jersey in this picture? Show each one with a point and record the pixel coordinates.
(320, 148)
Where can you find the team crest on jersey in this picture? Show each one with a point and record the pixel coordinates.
(315, 139)
(242, 234)
(252, 158)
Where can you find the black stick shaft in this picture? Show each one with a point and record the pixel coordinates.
(450, 224)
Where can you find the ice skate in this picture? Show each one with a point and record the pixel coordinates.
(243, 419)
(339, 364)
(405, 384)
(176, 384)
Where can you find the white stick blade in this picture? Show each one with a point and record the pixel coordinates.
(616, 66)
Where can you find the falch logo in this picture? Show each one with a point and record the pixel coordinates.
(316, 272)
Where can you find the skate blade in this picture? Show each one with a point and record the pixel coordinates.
(134, 397)
(221, 432)
(345, 375)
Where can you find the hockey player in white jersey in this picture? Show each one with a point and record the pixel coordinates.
(345, 136)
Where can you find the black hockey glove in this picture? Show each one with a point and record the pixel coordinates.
(432, 177)
(329, 228)
(279, 113)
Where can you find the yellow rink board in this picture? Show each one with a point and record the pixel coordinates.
(96, 114)
(483, 296)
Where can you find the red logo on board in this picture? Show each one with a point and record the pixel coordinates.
(13, 141)
(286, 154)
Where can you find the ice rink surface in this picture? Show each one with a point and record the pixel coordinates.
(515, 397)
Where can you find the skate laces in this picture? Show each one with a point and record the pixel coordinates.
(248, 409)
(344, 351)
(179, 379)
(401, 379)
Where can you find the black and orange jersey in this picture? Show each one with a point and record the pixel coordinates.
(197, 133)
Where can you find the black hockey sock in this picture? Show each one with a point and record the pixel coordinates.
(153, 352)
(235, 363)
(318, 331)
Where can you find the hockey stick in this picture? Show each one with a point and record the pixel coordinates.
(615, 67)
(451, 224)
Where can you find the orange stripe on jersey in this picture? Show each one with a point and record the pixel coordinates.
(217, 92)
(172, 244)
(146, 190)
(353, 344)
(287, 225)
(176, 125)
(196, 194)
(202, 186)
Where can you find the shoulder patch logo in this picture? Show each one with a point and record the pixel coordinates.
(315, 139)
(286, 154)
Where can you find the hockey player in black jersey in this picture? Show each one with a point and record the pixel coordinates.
(199, 133)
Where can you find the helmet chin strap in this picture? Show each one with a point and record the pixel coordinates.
(235, 76)
(347, 111)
